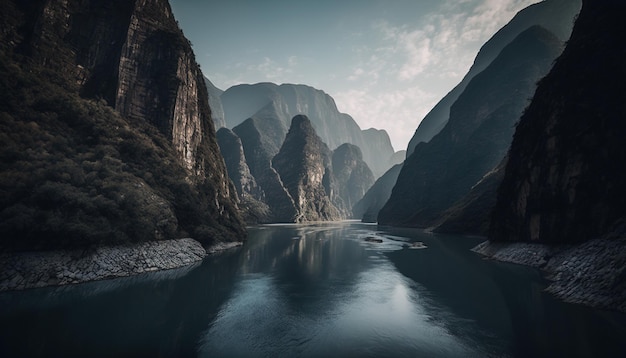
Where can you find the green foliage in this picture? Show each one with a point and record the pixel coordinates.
(74, 173)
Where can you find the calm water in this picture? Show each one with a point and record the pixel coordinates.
(315, 291)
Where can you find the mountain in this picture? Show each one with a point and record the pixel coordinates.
(476, 137)
(251, 196)
(106, 129)
(352, 176)
(557, 16)
(471, 214)
(262, 138)
(217, 111)
(375, 198)
(288, 100)
(303, 164)
(564, 181)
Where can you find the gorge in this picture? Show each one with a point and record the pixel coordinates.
(230, 208)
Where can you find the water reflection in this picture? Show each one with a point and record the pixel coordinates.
(318, 290)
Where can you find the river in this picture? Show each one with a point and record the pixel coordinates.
(315, 290)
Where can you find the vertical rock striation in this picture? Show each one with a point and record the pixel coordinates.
(564, 181)
(132, 56)
(303, 164)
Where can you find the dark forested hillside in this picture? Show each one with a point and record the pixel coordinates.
(106, 129)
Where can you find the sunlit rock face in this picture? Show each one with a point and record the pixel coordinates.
(131, 56)
(564, 180)
(283, 102)
(477, 136)
(304, 166)
(557, 16)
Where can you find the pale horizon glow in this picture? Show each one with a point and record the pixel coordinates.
(386, 63)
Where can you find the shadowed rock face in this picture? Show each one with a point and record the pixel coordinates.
(352, 175)
(283, 102)
(251, 196)
(367, 208)
(217, 111)
(261, 138)
(557, 16)
(304, 166)
(564, 180)
(132, 56)
(476, 138)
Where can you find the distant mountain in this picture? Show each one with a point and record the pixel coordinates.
(557, 16)
(251, 196)
(304, 166)
(217, 111)
(262, 138)
(375, 198)
(564, 181)
(476, 137)
(352, 177)
(288, 100)
(106, 129)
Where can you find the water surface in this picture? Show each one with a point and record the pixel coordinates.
(315, 290)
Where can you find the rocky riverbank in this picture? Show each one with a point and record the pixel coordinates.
(39, 269)
(592, 273)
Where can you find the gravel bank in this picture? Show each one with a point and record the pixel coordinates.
(592, 273)
(39, 269)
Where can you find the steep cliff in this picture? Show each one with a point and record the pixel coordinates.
(304, 166)
(557, 16)
(251, 196)
(261, 137)
(217, 111)
(149, 170)
(476, 137)
(352, 177)
(287, 100)
(369, 205)
(564, 181)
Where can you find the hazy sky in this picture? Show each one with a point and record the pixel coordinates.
(385, 62)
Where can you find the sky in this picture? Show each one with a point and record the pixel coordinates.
(385, 62)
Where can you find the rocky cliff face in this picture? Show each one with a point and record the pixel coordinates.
(557, 16)
(261, 137)
(251, 196)
(352, 176)
(217, 111)
(564, 180)
(132, 56)
(476, 137)
(303, 164)
(244, 101)
(369, 205)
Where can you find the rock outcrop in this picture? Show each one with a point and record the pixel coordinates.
(150, 169)
(251, 196)
(477, 136)
(304, 166)
(288, 100)
(261, 138)
(557, 16)
(564, 181)
(352, 176)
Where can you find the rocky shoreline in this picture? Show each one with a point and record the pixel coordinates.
(20, 271)
(592, 273)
